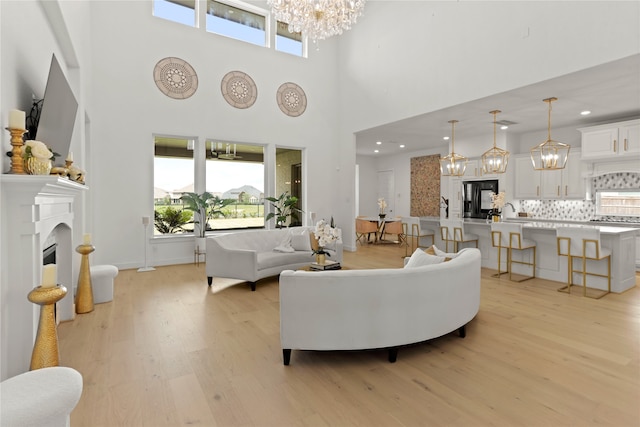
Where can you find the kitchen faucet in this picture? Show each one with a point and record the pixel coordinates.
(510, 204)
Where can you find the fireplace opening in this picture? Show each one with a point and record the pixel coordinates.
(49, 255)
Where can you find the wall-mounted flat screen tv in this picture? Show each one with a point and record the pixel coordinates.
(58, 114)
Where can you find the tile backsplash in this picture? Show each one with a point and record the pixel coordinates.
(580, 210)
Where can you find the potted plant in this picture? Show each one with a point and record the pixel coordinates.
(204, 206)
(285, 207)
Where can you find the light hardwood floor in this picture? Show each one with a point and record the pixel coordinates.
(169, 351)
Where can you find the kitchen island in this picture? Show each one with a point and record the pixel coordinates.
(551, 266)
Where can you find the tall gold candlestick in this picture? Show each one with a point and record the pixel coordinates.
(17, 142)
(84, 298)
(45, 350)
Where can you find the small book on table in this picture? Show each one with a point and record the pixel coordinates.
(328, 265)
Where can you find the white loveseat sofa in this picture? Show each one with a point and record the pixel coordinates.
(373, 309)
(250, 255)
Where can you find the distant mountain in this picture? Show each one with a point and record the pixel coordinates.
(234, 193)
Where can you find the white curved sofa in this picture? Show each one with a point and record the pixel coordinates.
(384, 308)
(250, 255)
(42, 397)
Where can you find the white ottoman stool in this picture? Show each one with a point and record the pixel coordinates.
(102, 282)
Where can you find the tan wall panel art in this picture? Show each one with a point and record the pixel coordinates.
(425, 185)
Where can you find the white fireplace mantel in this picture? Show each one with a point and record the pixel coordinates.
(32, 207)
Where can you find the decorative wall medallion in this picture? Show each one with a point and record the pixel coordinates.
(291, 99)
(175, 78)
(239, 89)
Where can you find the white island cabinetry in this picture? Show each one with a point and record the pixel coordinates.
(550, 266)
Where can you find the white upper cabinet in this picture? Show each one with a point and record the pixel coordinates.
(611, 140)
(564, 183)
(472, 170)
(527, 179)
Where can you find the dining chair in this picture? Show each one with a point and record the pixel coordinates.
(364, 229)
(395, 227)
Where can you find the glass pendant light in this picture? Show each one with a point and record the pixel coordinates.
(453, 164)
(495, 159)
(550, 155)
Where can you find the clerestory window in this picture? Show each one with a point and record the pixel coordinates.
(234, 19)
(245, 23)
(181, 11)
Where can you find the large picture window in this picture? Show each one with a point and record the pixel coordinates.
(173, 175)
(232, 172)
(236, 171)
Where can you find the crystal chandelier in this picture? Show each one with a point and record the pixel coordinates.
(453, 164)
(495, 159)
(317, 19)
(550, 155)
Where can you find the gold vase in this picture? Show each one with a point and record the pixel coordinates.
(84, 297)
(320, 259)
(45, 349)
(35, 166)
(496, 218)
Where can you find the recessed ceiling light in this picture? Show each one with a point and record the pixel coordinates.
(504, 127)
(446, 138)
(585, 112)
(379, 143)
(401, 145)
(376, 151)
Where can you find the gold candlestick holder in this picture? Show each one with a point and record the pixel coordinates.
(84, 297)
(17, 142)
(45, 350)
(68, 163)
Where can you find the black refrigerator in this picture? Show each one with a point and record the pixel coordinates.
(476, 199)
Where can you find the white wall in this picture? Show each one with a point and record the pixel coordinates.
(128, 108)
(406, 58)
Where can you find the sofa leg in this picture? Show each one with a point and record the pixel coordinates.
(209, 281)
(286, 356)
(253, 286)
(462, 331)
(393, 355)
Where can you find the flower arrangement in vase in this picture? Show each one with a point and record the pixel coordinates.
(497, 203)
(326, 234)
(38, 157)
(382, 205)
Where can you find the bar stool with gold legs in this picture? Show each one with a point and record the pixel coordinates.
(418, 234)
(583, 243)
(452, 230)
(509, 236)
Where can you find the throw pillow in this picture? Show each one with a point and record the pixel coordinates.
(420, 258)
(430, 250)
(439, 252)
(285, 244)
(300, 240)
